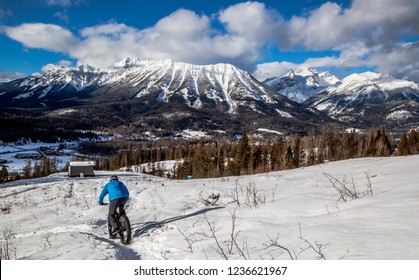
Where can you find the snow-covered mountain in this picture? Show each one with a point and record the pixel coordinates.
(301, 84)
(59, 82)
(159, 88)
(370, 98)
(166, 80)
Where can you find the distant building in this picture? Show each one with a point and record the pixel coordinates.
(81, 168)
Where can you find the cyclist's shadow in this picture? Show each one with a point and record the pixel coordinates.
(150, 226)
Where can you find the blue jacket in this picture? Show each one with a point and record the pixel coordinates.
(115, 189)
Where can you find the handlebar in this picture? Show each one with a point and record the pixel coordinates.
(105, 204)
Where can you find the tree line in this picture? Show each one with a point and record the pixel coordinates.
(32, 169)
(249, 155)
(224, 157)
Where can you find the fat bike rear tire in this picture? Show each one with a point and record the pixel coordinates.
(125, 231)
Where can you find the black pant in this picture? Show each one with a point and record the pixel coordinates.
(112, 209)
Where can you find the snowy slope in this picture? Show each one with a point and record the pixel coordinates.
(195, 84)
(58, 218)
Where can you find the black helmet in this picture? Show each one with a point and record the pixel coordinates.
(114, 177)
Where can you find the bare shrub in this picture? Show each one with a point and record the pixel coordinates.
(274, 193)
(248, 195)
(210, 200)
(236, 193)
(190, 238)
(274, 243)
(212, 235)
(7, 250)
(46, 240)
(347, 189)
(254, 197)
(6, 208)
(369, 192)
(317, 247)
(229, 247)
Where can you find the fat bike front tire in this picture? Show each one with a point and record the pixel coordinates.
(125, 231)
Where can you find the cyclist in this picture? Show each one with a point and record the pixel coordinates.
(118, 195)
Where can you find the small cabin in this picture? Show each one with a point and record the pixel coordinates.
(81, 168)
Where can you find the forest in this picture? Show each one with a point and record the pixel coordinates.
(250, 155)
(208, 158)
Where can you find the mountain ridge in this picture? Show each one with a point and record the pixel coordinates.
(214, 93)
(140, 92)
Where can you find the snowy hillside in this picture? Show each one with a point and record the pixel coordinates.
(58, 217)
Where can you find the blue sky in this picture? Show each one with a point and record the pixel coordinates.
(266, 38)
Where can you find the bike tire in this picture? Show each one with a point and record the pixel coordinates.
(125, 232)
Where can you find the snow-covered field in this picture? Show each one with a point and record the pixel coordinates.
(257, 217)
(16, 155)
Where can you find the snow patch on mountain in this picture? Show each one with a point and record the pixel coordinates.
(399, 115)
(284, 114)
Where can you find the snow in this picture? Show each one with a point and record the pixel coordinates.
(306, 72)
(189, 133)
(58, 217)
(371, 81)
(9, 151)
(284, 114)
(302, 84)
(64, 111)
(269, 131)
(82, 163)
(399, 115)
(221, 82)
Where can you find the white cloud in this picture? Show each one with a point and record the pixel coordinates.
(183, 36)
(62, 15)
(61, 63)
(362, 34)
(252, 20)
(60, 3)
(43, 36)
(273, 69)
(10, 76)
(371, 21)
(401, 61)
(351, 55)
(48, 67)
(183, 24)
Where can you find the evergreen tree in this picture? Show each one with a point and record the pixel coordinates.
(37, 170)
(257, 158)
(402, 146)
(241, 161)
(289, 156)
(413, 142)
(4, 174)
(27, 170)
(200, 162)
